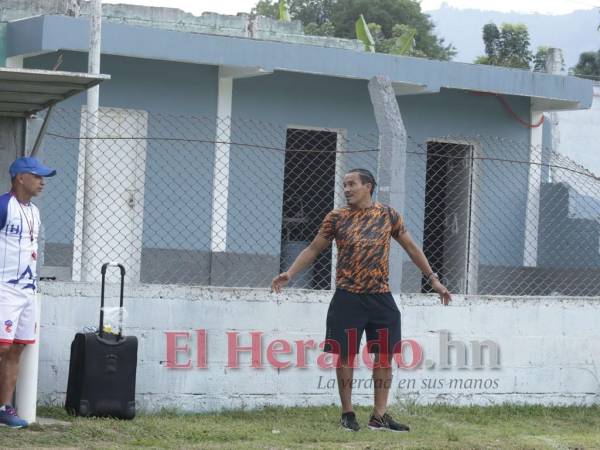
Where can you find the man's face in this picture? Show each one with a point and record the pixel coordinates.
(355, 191)
(31, 184)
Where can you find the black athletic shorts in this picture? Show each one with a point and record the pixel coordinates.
(350, 314)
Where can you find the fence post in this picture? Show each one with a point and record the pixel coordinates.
(88, 164)
(391, 164)
(532, 213)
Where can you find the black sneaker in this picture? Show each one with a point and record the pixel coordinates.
(349, 422)
(386, 423)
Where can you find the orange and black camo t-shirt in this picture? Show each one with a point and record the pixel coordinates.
(363, 242)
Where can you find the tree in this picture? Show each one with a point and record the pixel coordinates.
(404, 29)
(539, 59)
(387, 14)
(325, 29)
(588, 65)
(402, 41)
(316, 12)
(507, 46)
(267, 8)
(491, 38)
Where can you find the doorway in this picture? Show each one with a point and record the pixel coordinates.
(449, 234)
(308, 195)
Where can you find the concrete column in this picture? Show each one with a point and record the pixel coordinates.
(554, 66)
(109, 222)
(220, 189)
(532, 211)
(555, 62)
(3, 28)
(221, 164)
(94, 53)
(89, 201)
(391, 165)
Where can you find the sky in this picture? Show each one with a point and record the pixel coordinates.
(524, 6)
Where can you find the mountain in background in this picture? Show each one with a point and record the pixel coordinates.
(574, 33)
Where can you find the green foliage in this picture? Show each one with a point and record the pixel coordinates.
(284, 13)
(509, 427)
(539, 59)
(376, 32)
(364, 35)
(306, 11)
(267, 8)
(507, 46)
(338, 18)
(402, 41)
(325, 29)
(514, 51)
(387, 14)
(588, 65)
(491, 40)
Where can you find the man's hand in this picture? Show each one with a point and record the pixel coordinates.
(279, 282)
(438, 287)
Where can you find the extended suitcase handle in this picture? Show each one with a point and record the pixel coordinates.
(103, 272)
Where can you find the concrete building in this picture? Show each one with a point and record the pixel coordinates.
(229, 72)
(314, 84)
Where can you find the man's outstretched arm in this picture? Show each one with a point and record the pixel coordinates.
(304, 259)
(418, 257)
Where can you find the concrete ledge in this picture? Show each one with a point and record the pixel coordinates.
(48, 34)
(547, 348)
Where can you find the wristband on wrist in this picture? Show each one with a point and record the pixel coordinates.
(432, 276)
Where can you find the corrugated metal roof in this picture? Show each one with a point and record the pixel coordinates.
(24, 92)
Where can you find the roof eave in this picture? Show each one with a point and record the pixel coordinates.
(410, 75)
(24, 92)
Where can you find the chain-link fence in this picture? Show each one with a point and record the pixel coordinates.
(495, 216)
(232, 202)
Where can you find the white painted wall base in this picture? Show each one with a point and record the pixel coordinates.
(549, 347)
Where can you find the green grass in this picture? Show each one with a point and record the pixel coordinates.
(432, 427)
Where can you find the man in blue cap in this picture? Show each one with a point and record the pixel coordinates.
(19, 230)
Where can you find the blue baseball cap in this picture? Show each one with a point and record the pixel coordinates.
(32, 165)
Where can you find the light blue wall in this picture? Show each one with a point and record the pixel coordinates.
(163, 89)
(303, 100)
(502, 193)
(569, 230)
(263, 107)
(275, 102)
(158, 86)
(547, 149)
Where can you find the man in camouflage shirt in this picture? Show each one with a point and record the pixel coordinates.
(362, 301)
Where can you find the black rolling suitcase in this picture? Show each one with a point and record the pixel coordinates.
(102, 369)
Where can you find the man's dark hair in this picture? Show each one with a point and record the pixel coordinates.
(365, 177)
